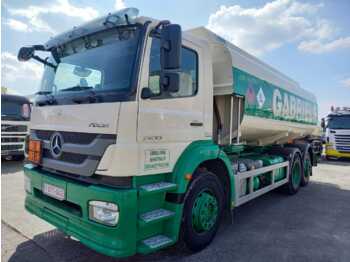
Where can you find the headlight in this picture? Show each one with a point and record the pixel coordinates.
(27, 185)
(104, 212)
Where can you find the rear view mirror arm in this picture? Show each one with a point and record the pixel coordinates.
(26, 53)
(55, 55)
(44, 61)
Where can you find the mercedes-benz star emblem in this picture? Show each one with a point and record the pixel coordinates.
(56, 145)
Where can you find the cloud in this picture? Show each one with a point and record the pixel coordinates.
(13, 70)
(34, 13)
(18, 25)
(119, 4)
(260, 30)
(345, 82)
(318, 46)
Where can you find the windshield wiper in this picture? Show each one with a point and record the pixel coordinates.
(90, 97)
(76, 88)
(43, 93)
(50, 99)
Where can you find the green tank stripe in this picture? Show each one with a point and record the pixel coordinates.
(263, 99)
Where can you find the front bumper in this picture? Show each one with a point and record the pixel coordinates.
(336, 154)
(71, 215)
(12, 153)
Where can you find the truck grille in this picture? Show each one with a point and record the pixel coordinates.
(13, 128)
(66, 157)
(81, 152)
(342, 143)
(11, 147)
(12, 139)
(68, 137)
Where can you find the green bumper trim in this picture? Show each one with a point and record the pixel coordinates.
(71, 215)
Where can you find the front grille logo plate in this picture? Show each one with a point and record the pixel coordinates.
(56, 144)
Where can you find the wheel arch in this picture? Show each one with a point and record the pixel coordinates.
(304, 148)
(219, 168)
(208, 155)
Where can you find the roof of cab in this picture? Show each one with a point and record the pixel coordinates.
(15, 98)
(96, 25)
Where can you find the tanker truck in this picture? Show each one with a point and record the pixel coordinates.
(143, 135)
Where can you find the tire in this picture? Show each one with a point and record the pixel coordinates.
(204, 196)
(307, 170)
(294, 183)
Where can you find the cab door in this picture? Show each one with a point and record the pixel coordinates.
(168, 122)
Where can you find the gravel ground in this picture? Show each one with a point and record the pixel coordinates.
(313, 225)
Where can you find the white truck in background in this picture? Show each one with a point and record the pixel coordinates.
(15, 116)
(336, 133)
(142, 134)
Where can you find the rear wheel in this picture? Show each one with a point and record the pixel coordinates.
(295, 175)
(307, 170)
(202, 211)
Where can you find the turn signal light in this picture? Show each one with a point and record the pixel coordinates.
(35, 151)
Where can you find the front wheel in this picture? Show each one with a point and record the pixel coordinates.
(202, 211)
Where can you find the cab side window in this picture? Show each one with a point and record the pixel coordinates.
(188, 75)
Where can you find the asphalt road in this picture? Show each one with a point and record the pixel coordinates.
(313, 225)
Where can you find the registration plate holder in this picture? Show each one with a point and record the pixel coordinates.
(54, 191)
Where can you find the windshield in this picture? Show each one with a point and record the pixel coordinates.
(339, 122)
(102, 65)
(13, 110)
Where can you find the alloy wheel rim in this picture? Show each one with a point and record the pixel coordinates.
(204, 212)
(296, 175)
(307, 168)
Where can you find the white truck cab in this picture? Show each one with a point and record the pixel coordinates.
(336, 130)
(15, 116)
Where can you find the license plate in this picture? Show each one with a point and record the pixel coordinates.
(53, 191)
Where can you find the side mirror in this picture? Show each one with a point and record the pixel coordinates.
(170, 57)
(26, 53)
(146, 93)
(323, 123)
(170, 53)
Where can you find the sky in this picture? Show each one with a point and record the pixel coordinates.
(308, 41)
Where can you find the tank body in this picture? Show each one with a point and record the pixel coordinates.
(275, 107)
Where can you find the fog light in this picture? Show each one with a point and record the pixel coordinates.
(27, 185)
(104, 212)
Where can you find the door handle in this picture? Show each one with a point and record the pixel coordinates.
(196, 123)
